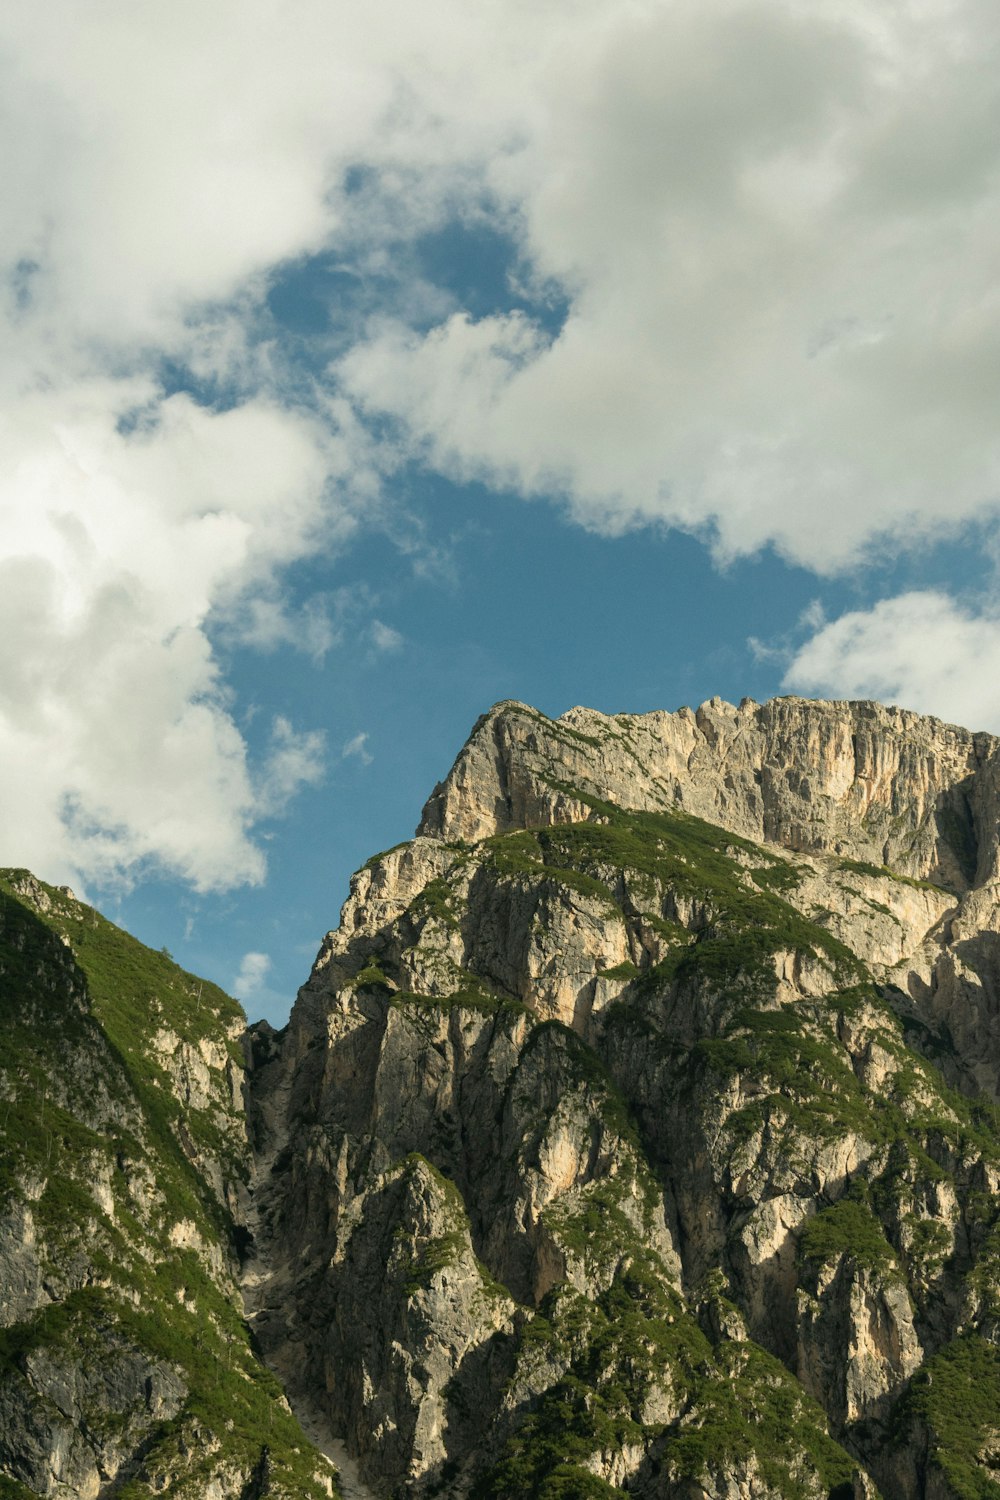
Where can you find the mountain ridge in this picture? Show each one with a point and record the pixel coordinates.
(609, 1149)
(856, 752)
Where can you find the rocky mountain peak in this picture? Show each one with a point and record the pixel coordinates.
(854, 778)
(634, 1135)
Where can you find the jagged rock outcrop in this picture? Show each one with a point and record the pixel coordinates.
(864, 1311)
(858, 779)
(461, 1126)
(877, 787)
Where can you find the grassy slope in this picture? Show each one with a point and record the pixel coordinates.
(86, 1100)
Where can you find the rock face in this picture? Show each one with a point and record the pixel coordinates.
(635, 1133)
(858, 779)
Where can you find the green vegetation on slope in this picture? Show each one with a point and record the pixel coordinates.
(633, 1368)
(801, 1076)
(635, 1333)
(183, 1321)
(847, 1228)
(673, 854)
(634, 1345)
(882, 872)
(131, 993)
(955, 1400)
(101, 1142)
(749, 1408)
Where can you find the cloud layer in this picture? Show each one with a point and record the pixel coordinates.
(773, 222)
(770, 222)
(117, 735)
(920, 650)
(157, 166)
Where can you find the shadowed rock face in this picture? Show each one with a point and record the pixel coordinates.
(608, 1149)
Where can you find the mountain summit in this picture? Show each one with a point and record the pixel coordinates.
(634, 1134)
(850, 778)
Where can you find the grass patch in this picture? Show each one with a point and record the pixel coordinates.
(371, 976)
(626, 970)
(882, 872)
(436, 902)
(849, 1228)
(480, 1001)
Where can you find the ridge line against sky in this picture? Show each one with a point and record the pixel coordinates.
(300, 307)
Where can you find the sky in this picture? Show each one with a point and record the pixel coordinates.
(362, 366)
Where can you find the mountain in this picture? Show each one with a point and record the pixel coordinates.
(635, 1133)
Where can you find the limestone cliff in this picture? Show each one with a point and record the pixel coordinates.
(657, 1057)
(857, 779)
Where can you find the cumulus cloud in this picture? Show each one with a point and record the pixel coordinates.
(920, 650)
(153, 178)
(116, 543)
(771, 218)
(770, 223)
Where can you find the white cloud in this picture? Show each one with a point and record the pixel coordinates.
(920, 650)
(267, 622)
(773, 219)
(772, 222)
(116, 731)
(253, 971)
(155, 168)
(357, 746)
(295, 759)
(385, 637)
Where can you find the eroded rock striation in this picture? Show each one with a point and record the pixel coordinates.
(635, 1133)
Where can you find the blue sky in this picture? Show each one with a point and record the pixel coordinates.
(359, 374)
